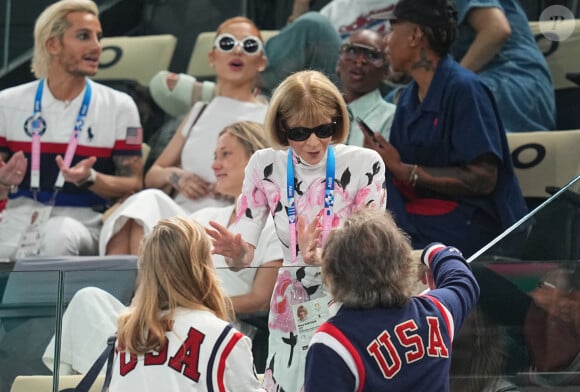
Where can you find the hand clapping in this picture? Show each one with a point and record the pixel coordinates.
(309, 241)
(12, 172)
(237, 252)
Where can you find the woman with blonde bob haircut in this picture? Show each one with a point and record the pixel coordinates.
(53, 23)
(306, 97)
(385, 337)
(310, 182)
(176, 335)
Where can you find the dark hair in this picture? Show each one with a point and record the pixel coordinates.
(440, 38)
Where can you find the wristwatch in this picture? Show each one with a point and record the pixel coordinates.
(89, 181)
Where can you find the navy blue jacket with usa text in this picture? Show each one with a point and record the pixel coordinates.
(396, 349)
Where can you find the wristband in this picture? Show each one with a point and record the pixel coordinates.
(89, 181)
(414, 176)
(429, 253)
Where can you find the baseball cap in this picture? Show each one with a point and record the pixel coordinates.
(423, 12)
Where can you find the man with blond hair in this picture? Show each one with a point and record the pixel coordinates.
(67, 144)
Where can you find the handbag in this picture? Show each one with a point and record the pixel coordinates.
(89, 378)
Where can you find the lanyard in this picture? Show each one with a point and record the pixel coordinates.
(38, 125)
(328, 199)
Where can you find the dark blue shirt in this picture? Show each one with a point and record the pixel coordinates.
(457, 123)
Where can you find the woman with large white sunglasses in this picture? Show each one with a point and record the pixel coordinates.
(183, 169)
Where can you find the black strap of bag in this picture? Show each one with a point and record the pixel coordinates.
(89, 378)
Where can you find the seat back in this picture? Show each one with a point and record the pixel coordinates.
(541, 159)
(136, 58)
(199, 65)
(44, 383)
(562, 56)
(28, 282)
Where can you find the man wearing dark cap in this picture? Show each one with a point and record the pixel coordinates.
(450, 177)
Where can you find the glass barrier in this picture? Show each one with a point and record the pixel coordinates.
(526, 328)
(524, 334)
(27, 321)
(36, 296)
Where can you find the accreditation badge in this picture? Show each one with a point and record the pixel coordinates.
(31, 239)
(308, 316)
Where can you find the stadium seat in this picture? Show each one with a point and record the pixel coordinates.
(44, 383)
(136, 58)
(198, 64)
(544, 159)
(562, 56)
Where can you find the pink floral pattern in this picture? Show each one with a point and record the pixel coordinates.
(359, 182)
(280, 310)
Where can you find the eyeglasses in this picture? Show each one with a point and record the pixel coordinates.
(350, 52)
(226, 43)
(299, 134)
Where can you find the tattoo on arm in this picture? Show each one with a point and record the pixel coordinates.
(424, 62)
(127, 166)
(474, 179)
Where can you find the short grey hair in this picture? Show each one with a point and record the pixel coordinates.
(367, 261)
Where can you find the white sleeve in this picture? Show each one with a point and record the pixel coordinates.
(269, 247)
(87, 323)
(127, 115)
(252, 205)
(240, 374)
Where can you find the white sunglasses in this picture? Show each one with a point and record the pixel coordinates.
(226, 43)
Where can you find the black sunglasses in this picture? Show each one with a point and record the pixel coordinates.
(299, 134)
(226, 43)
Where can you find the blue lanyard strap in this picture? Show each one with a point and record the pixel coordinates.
(37, 125)
(38, 99)
(328, 198)
(328, 193)
(291, 204)
(82, 111)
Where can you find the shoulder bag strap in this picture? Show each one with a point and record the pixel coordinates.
(106, 356)
(199, 113)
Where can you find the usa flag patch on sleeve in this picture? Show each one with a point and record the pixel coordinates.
(134, 135)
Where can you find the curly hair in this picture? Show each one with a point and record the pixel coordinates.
(367, 261)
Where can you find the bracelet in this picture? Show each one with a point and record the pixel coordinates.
(89, 181)
(414, 176)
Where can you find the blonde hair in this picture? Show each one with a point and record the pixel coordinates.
(250, 134)
(367, 261)
(175, 270)
(53, 22)
(305, 96)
